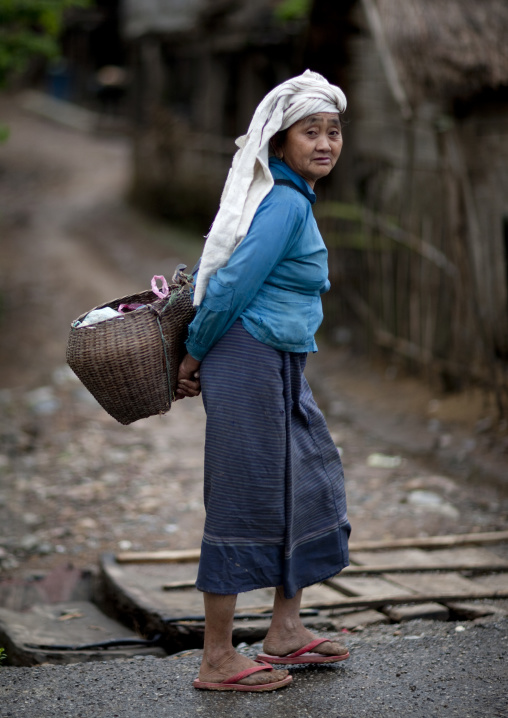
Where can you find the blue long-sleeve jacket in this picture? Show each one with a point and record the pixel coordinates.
(274, 279)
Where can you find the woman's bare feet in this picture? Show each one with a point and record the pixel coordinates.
(287, 633)
(219, 667)
(283, 642)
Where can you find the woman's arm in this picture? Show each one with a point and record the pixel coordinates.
(274, 228)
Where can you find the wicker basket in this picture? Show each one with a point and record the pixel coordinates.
(130, 364)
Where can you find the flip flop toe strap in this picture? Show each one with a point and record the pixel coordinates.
(247, 672)
(308, 648)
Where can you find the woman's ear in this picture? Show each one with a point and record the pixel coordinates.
(276, 146)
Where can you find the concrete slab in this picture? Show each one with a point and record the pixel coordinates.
(430, 611)
(47, 632)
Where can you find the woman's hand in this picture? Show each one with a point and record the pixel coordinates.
(188, 378)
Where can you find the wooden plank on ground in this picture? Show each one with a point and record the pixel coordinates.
(436, 583)
(498, 582)
(134, 592)
(430, 567)
(180, 556)
(366, 586)
(140, 585)
(409, 560)
(413, 557)
(390, 585)
(429, 611)
(178, 585)
(386, 571)
(416, 581)
(418, 557)
(473, 539)
(467, 555)
(397, 599)
(317, 594)
(378, 545)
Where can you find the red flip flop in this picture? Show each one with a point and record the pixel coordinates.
(232, 684)
(304, 655)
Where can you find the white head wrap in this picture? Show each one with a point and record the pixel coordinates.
(250, 179)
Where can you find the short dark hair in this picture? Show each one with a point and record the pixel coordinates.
(277, 141)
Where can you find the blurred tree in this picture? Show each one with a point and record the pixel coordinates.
(29, 28)
(293, 9)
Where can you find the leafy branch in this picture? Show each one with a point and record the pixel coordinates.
(293, 10)
(30, 28)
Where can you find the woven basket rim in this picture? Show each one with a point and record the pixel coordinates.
(122, 300)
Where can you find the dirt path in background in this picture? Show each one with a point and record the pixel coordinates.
(68, 240)
(74, 483)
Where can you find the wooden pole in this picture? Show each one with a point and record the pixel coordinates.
(376, 27)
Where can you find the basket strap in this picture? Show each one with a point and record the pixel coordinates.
(166, 358)
(171, 299)
(195, 268)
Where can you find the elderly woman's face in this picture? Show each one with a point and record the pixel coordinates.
(313, 145)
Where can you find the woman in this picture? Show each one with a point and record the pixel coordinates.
(274, 489)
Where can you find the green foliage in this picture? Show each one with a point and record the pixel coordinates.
(2, 654)
(293, 10)
(29, 28)
(4, 133)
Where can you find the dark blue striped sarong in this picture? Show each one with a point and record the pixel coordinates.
(274, 486)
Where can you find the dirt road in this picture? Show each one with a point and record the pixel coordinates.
(73, 483)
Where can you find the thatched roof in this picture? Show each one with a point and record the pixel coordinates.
(141, 17)
(175, 18)
(447, 47)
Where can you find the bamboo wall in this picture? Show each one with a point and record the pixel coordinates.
(418, 262)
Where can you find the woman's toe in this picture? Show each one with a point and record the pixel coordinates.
(332, 648)
(264, 677)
